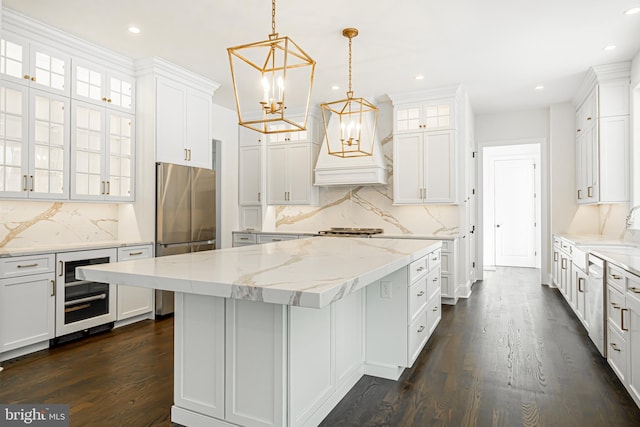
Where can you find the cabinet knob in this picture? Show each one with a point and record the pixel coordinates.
(420, 329)
(33, 79)
(26, 77)
(588, 118)
(579, 130)
(104, 99)
(615, 346)
(420, 293)
(109, 100)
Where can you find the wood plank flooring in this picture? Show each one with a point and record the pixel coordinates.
(511, 355)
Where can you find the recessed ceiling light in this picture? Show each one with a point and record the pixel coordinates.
(419, 77)
(632, 11)
(335, 87)
(134, 30)
(539, 87)
(610, 47)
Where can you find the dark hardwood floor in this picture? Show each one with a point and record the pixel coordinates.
(513, 354)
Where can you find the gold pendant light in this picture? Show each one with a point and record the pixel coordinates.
(262, 73)
(350, 124)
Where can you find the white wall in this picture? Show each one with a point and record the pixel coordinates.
(225, 129)
(512, 126)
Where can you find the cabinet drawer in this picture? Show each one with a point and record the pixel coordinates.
(268, 238)
(244, 239)
(25, 265)
(418, 333)
(633, 287)
(434, 259)
(616, 277)
(417, 297)
(615, 304)
(567, 247)
(433, 283)
(617, 353)
(447, 246)
(134, 252)
(418, 268)
(434, 312)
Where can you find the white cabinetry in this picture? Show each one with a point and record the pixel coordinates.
(103, 153)
(424, 165)
(183, 121)
(34, 140)
(290, 174)
(250, 171)
(410, 299)
(448, 270)
(103, 86)
(133, 300)
(425, 150)
(33, 64)
(27, 303)
(603, 136)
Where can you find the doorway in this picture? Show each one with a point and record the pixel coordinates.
(512, 207)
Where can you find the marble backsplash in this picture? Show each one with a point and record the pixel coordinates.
(35, 224)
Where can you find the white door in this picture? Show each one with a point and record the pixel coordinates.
(515, 218)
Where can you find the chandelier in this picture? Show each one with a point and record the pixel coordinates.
(272, 80)
(350, 123)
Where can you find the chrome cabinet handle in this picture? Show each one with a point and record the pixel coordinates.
(420, 329)
(27, 265)
(420, 293)
(635, 290)
(420, 268)
(615, 346)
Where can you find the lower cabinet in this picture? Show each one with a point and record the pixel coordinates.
(27, 304)
(633, 305)
(403, 310)
(133, 300)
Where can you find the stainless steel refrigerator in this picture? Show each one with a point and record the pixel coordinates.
(185, 216)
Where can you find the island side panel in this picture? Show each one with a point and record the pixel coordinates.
(256, 361)
(199, 355)
(326, 357)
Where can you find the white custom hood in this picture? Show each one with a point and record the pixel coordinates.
(333, 170)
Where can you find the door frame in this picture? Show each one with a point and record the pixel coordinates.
(529, 153)
(545, 248)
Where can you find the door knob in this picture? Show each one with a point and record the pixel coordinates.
(497, 225)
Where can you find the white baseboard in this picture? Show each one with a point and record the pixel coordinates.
(380, 371)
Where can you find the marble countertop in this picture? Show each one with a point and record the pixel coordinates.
(308, 272)
(67, 247)
(620, 252)
(414, 236)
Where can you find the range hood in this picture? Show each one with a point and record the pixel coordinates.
(333, 170)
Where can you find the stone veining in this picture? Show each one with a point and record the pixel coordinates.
(22, 226)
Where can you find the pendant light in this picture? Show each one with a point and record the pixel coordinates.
(350, 123)
(272, 80)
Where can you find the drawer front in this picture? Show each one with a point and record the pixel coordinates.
(268, 238)
(434, 312)
(616, 277)
(446, 263)
(615, 304)
(418, 268)
(567, 247)
(434, 259)
(244, 239)
(447, 246)
(134, 252)
(445, 286)
(617, 353)
(418, 333)
(26, 265)
(433, 283)
(417, 298)
(633, 286)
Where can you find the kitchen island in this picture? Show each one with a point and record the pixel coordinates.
(277, 334)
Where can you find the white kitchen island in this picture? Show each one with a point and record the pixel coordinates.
(277, 334)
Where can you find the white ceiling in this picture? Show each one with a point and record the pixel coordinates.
(499, 50)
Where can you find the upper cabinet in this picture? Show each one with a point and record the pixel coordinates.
(57, 142)
(290, 174)
(34, 142)
(33, 64)
(102, 86)
(603, 136)
(180, 106)
(425, 147)
(427, 115)
(311, 134)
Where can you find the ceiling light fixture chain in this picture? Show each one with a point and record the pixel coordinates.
(273, 19)
(350, 93)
